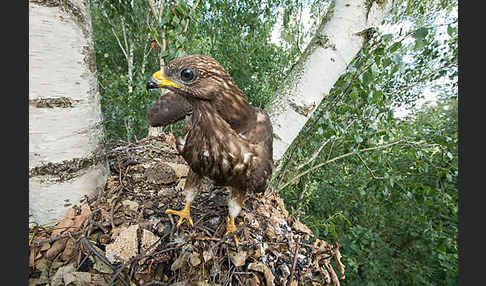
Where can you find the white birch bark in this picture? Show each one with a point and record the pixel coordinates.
(336, 43)
(65, 121)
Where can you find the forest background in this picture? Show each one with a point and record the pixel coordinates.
(376, 166)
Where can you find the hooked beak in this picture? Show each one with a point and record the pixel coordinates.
(158, 80)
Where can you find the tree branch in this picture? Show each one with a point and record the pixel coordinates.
(338, 158)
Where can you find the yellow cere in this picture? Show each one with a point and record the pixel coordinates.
(163, 81)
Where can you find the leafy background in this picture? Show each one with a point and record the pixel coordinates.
(375, 168)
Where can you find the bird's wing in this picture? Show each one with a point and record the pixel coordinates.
(259, 133)
(169, 108)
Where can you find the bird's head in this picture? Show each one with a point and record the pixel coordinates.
(194, 77)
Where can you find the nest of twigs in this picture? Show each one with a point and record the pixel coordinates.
(122, 236)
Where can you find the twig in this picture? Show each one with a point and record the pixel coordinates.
(229, 236)
(50, 240)
(314, 156)
(338, 158)
(154, 283)
(371, 171)
(85, 241)
(188, 18)
(294, 262)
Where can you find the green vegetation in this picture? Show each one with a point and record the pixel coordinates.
(383, 186)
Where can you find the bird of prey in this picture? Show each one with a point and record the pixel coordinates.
(226, 139)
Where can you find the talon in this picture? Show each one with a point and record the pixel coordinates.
(231, 227)
(184, 214)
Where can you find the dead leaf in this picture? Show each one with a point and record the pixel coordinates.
(68, 250)
(255, 281)
(298, 226)
(341, 266)
(270, 233)
(258, 253)
(320, 246)
(125, 245)
(131, 205)
(207, 255)
(82, 217)
(43, 266)
(260, 267)
(33, 251)
(332, 273)
(56, 248)
(238, 258)
(148, 238)
(45, 246)
(194, 259)
(99, 265)
(77, 278)
(181, 170)
(179, 262)
(57, 278)
(65, 224)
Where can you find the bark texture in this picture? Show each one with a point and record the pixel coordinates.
(65, 121)
(336, 43)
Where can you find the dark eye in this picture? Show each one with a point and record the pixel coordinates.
(187, 74)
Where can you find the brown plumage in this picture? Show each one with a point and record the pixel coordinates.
(227, 139)
(169, 108)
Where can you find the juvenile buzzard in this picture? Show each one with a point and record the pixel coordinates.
(226, 138)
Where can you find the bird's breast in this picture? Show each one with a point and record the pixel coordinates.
(222, 155)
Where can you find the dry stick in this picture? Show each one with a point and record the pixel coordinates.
(294, 262)
(337, 158)
(85, 241)
(229, 236)
(144, 255)
(187, 20)
(40, 241)
(154, 283)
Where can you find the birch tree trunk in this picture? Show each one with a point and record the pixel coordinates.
(337, 41)
(66, 160)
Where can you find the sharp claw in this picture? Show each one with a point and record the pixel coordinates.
(231, 227)
(184, 214)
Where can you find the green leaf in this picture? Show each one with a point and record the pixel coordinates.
(367, 77)
(420, 33)
(419, 44)
(164, 53)
(377, 96)
(387, 62)
(181, 9)
(450, 31)
(395, 47)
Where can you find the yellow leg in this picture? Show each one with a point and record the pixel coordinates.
(231, 227)
(185, 213)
